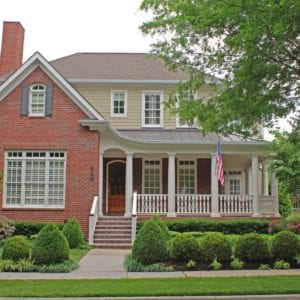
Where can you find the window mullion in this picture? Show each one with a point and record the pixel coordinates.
(47, 180)
(23, 178)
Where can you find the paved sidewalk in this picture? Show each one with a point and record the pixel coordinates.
(102, 263)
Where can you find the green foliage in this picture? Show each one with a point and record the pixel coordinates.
(15, 248)
(64, 267)
(252, 247)
(216, 265)
(132, 265)
(215, 246)
(163, 226)
(291, 223)
(191, 264)
(7, 228)
(285, 164)
(254, 45)
(264, 267)
(226, 227)
(73, 233)
(285, 245)
(30, 228)
(285, 205)
(23, 265)
(297, 258)
(237, 264)
(184, 247)
(50, 247)
(150, 245)
(281, 265)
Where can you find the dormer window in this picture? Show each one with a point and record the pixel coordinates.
(37, 100)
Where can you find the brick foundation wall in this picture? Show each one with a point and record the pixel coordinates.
(61, 131)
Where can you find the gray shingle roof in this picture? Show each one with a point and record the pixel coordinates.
(188, 136)
(114, 66)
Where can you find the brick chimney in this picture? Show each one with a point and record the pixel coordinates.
(12, 47)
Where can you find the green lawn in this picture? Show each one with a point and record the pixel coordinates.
(151, 287)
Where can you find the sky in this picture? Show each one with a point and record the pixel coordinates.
(58, 28)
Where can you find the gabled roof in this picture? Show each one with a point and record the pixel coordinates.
(127, 67)
(37, 60)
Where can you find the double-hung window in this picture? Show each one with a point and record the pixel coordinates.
(118, 103)
(183, 121)
(35, 179)
(152, 109)
(37, 100)
(152, 177)
(186, 177)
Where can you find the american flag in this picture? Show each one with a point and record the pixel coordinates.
(220, 164)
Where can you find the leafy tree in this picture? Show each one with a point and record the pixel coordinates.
(254, 45)
(286, 160)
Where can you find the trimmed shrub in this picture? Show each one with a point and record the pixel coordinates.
(285, 246)
(31, 228)
(163, 226)
(73, 233)
(252, 247)
(215, 246)
(7, 228)
(184, 247)
(15, 248)
(150, 245)
(50, 246)
(226, 227)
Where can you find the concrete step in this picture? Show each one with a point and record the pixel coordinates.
(112, 246)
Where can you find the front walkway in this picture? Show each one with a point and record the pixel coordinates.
(102, 263)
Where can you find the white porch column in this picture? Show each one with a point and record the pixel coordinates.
(214, 187)
(255, 186)
(128, 185)
(274, 191)
(265, 179)
(100, 212)
(171, 185)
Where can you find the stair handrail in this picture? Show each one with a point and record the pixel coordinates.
(93, 218)
(133, 217)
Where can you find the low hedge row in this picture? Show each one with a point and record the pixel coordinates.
(30, 228)
(224, 226)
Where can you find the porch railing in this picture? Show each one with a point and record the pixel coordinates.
(93, 218)
(133, 217)
(235, 204)
(266, 204)
(152, 203)
(194, 204)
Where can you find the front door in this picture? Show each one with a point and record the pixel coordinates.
(116, 187)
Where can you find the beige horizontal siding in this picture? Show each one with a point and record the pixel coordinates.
(99, 95)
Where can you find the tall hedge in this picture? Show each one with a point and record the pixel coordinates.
(28, 228)
(225, 226)
(50, 246)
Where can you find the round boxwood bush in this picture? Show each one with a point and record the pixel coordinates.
(215, 246)
(252, 247)
(285, 246)
(73, 233)
(50, 246)
(184, 247)
(150, 245)
(15, 248)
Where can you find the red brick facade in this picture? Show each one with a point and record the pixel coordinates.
(61, 131)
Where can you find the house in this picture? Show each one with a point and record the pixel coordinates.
(88, 136)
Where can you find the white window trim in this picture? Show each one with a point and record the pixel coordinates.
(23, 159)
(112, 114)
(178, 125)
(153, 92)
(30, 113)
(195, 170)
(240, 177)
(160, 174)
